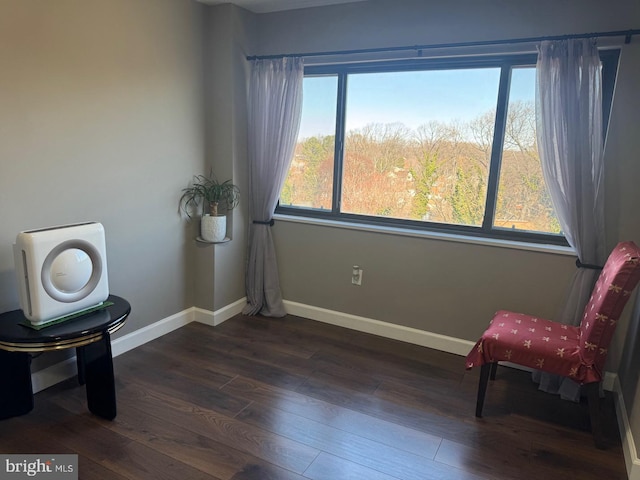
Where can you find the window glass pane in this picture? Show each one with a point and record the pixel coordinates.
(309, 183)
(418, 144)
(523, 198)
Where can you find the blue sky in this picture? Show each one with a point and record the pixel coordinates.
(412, 98)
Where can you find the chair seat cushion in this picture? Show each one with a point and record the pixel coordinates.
(532, 342)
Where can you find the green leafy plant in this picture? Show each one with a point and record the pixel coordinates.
(208, 195)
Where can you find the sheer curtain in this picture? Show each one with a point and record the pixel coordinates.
(275, 105)
(570, 142)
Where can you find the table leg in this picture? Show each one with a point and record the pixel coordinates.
(80, 364)
(16, 394)
(99, 378)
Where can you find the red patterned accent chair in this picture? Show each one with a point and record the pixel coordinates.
(575, 352)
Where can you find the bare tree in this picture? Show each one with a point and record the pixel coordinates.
(481, 131)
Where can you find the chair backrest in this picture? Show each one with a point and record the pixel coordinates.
(611, 292)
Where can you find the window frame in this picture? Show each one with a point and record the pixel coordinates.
(506, 63)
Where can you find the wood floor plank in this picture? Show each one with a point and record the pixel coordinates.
(213, 457)
(190, 365)
(28, 438)
(563, 461)
(119, 454)
(330, 467)
(228, 364)
(502, 461)
(265, 354)
(407, 415)
(271, 334)
(346, 378)
(445, 399)
(356, 449)
(90, 470)
(142, 462)
(397, 368)
(265, 472)
(312, 330)
(258, 442)
(177, 384)
(369, 345)
(351, 421)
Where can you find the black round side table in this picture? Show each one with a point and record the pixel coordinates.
(89, 334)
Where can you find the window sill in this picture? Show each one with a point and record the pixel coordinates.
(449, 237)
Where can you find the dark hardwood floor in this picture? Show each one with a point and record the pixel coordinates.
(290, 398)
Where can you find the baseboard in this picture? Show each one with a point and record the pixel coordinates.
(47, 377)
(383, 329)
(631, 460)
(143, 335)
(221, 315)
(608, 381)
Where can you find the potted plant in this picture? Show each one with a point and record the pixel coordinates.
(213, 199)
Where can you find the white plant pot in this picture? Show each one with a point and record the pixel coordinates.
(213, 228)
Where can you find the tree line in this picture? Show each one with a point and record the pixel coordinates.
(437, 172)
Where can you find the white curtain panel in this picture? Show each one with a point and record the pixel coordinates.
(275, 106)
(570, 142)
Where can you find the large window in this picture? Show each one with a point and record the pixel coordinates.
(446, 145)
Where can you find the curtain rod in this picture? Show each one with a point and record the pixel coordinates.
(627, 34)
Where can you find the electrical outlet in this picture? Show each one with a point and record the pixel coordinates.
(356, 275)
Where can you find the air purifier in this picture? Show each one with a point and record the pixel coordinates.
(61, 270)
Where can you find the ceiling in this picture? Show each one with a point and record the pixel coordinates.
(266, 6)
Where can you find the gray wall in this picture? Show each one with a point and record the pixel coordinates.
(228, 42)
(443, 287)
(624, 145)
(102, 118)
(381, 23)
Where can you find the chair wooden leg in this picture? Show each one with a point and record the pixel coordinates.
(494, 368)
(593, 397)
(485, 371)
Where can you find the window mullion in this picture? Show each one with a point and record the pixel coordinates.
(338, 156)
(496, 147)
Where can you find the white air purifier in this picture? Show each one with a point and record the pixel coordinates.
(61, 270)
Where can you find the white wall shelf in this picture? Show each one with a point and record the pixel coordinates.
(202, 240)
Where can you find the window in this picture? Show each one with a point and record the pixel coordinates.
(447, 145)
